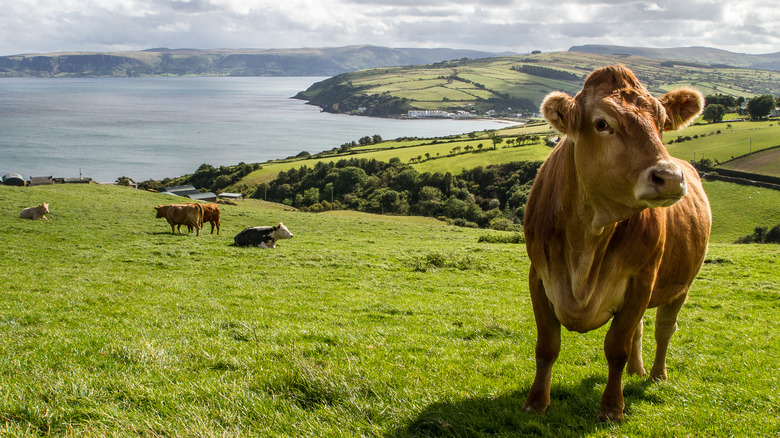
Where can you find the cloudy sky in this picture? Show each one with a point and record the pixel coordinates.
(39, 26)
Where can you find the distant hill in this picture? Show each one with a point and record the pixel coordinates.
(224, 62)
(517, 84)
(703, 55)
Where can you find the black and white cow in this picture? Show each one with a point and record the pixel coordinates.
(262, 237)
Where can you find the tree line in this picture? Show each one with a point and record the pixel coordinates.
(717, 105)
(492, 196)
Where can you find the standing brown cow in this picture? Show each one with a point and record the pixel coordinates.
(614, 225)
(211, 214)
(182, 214)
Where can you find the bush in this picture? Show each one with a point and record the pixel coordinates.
(762, 235)
(503, 224)
(502, 238)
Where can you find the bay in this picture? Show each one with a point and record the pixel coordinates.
(152, 128)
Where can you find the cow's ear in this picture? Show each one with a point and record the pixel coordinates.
(559, 109)
(682, 107)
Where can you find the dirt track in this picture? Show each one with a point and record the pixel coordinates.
(764, 163)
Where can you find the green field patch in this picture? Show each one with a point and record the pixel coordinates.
(486, 158)
(735, 139)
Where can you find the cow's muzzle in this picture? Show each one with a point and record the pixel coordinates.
(661, 185)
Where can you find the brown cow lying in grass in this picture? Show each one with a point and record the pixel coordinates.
(182, 214)
(35, 213)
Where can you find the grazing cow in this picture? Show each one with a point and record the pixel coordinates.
(35, 213)
(614, 225)
(182, 214)
(262, 237)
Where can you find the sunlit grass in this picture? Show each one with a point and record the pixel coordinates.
(359, 325)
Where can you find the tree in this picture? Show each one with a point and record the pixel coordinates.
(714, 113)
(720, 99)
(494, 137)
(760, 107)
(124, 181)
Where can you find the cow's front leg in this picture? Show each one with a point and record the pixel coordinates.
(617, 347)
(548, 345)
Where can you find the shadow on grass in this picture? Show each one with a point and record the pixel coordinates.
(572, 412)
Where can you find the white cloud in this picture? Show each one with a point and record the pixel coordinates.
(751, 26)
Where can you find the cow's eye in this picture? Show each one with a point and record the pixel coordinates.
(602, 125)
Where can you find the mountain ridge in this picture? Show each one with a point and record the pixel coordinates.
(314, 61)
(326, 61)
(698, 54)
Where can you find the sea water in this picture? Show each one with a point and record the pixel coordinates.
(152, 128)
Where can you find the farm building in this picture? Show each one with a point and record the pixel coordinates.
(189, 191)
(229, 195)
(41, 180)
(13, 179)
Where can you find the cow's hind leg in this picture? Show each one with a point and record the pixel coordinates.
(665, 326)
(548, 345)
(635, 364)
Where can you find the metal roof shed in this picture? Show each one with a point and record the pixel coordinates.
(41, 180)
(13, 179)
(189, 191)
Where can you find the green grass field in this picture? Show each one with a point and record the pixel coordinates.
(361, 325)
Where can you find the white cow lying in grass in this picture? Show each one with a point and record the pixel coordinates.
(262, 237)
(35, 213)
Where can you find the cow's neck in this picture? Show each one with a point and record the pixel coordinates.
(593, 213)
(586, 225)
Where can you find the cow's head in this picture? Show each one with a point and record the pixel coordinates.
(615, 126)
(281, 232)
(44, 208)
(161, 210)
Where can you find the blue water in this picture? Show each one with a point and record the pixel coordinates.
(143, 128)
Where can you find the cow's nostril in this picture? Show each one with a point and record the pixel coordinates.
(657, 180)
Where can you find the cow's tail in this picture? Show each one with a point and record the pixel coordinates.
(200, 218)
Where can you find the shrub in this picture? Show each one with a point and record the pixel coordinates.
(502, 238)
(762, 235)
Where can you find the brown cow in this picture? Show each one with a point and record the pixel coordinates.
(35, 213)
(613, 226)
(211, 215)
(182, 214)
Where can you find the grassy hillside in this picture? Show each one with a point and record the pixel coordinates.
(720, 142)
(724, 141)
(361, 325)
(516, 83)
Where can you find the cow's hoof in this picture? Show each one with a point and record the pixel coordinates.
(537, 408)
(636, 371)
(611, 415)
(658, 375)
